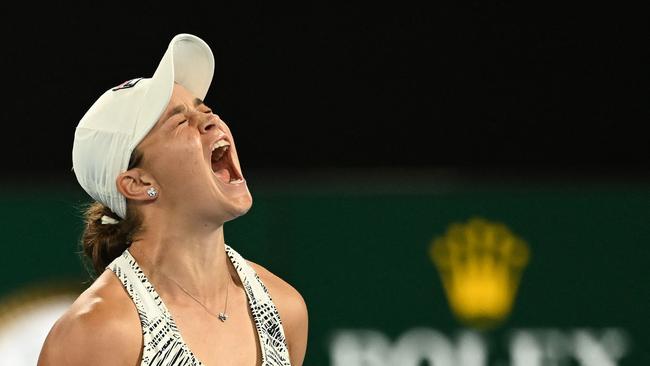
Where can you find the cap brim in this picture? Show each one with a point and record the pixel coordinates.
(189, 62)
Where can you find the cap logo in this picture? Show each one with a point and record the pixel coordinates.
(127, 84)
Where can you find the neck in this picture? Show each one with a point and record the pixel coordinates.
(191, 254)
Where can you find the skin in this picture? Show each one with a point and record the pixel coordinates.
(183, 239)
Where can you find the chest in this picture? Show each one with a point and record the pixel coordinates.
(233, 342)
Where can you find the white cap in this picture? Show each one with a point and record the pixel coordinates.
(116, 123)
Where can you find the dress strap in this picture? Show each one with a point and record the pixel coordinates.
(267, 319)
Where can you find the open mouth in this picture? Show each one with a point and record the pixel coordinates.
(222, 164)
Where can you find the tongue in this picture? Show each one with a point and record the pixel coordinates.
(221, 170)
(223, 174)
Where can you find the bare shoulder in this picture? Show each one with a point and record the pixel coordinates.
(292, 308)
(283, 294)
(101, 327)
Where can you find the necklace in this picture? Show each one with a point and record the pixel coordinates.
(222, 316)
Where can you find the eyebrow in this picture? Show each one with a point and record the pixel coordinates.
(181, 108)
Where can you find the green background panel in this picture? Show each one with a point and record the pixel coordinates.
(359, 254)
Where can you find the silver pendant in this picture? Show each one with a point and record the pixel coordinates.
(223, 317)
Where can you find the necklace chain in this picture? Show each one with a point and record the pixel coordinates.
(222, 316)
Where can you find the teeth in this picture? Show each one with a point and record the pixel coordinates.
(236, 181)
(220, 143)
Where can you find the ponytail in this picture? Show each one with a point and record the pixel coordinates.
(102, 242)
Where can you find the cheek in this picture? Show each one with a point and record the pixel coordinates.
(179, 159)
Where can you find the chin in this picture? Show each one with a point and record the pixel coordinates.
(239, 207)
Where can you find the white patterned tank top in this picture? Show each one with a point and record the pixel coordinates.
(163, 344)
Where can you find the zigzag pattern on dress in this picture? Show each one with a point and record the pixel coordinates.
(163, 344)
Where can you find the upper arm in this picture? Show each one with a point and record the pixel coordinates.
(92, 333)
(295, 319)
(293, 313)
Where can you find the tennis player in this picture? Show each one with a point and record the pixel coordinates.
(164, 174)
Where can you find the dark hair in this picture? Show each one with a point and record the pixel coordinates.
(101, 243)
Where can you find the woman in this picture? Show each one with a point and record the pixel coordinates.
(164, 172)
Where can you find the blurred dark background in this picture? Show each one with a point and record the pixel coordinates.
(489, 88)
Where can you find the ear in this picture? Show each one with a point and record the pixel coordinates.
(133, 184)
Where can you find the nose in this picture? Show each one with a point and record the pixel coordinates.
(207, 122)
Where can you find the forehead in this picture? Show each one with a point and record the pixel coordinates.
(180, 99)
(180, 96)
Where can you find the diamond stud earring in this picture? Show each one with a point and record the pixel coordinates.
(152, 192)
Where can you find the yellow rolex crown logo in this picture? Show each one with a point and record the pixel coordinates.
(480, 264)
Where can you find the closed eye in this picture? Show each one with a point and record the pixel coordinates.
(181, 122)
